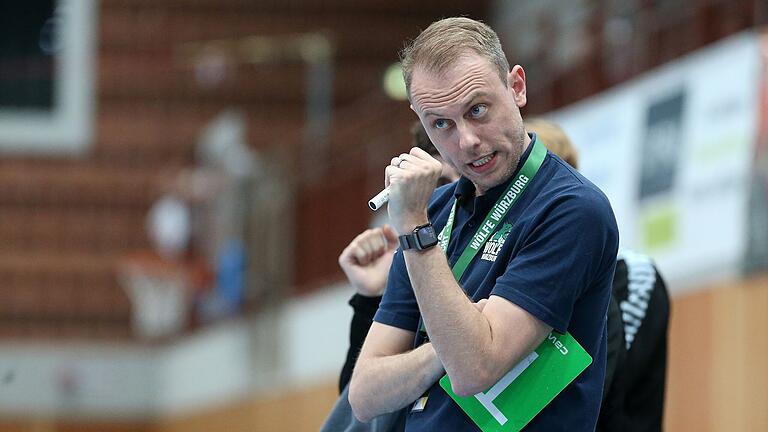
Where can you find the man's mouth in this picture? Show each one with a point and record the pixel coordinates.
(483, 161)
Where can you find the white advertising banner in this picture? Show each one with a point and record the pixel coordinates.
(673, 151)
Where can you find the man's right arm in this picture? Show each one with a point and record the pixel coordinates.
(388, 375)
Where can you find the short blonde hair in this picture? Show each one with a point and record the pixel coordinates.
(445, 41)
(555, 139)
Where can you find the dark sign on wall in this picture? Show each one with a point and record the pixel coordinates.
(28, 39)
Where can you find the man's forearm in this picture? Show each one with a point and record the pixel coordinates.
(384, 384)
(460, 333)
(476, 348)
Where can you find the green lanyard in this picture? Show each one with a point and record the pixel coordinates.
(497, 213)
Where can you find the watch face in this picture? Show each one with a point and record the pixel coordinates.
(426, 236)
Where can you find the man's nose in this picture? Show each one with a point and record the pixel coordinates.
(468, 138)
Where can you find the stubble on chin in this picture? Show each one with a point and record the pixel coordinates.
(516, 153)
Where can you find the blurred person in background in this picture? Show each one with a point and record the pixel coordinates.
(634, 397)
(555, 274)
(555, 139)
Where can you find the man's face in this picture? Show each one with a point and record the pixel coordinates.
(473, 118)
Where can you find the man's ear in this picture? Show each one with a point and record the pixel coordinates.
(516, 82)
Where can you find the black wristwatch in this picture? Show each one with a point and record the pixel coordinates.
(423, 237)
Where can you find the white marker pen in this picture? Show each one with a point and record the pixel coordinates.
(379, 200)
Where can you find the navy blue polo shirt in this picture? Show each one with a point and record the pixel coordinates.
(554, 256)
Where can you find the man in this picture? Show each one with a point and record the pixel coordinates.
(552, 271)
(634, 400)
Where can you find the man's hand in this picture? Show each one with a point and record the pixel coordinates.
(411, 178)
(366, 260)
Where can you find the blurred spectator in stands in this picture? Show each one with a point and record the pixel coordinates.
(164, 282)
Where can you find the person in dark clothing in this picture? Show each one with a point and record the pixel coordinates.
(633, 396)
(365, 261)
(544, 273)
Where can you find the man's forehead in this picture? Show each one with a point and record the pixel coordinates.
(430, 89)
(446, 70)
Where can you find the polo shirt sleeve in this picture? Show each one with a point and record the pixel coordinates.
(398, 308)
(561, 255)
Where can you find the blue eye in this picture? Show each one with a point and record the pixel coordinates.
(478, 110)
(440, 124)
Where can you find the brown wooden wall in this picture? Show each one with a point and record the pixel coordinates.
(717, 356)
(66, 220)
